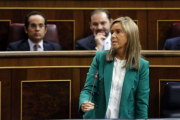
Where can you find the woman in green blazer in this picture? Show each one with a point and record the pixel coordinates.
(128, 96)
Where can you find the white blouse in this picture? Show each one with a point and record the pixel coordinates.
(116, 89)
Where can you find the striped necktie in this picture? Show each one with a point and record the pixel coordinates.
(36, 46)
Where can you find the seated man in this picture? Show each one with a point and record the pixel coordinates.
(172, 44)
(100, 21)
(35, 27)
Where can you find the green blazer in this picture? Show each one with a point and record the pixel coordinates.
(135, 91)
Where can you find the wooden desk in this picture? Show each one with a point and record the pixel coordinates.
(69, 67)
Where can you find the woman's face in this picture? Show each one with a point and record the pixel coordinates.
(118, 37)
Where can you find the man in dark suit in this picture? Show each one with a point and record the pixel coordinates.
(100, 21)
(172, 44)
(36, 28)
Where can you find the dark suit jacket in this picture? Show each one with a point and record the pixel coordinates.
(23, 45)
(87, 43)
(172, 44)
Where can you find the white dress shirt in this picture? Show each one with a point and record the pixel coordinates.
(31, 45)
(107, 43)
(116, 89)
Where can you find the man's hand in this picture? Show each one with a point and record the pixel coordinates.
(99, 38)
(87, 106)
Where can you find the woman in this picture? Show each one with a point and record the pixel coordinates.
(122, 87)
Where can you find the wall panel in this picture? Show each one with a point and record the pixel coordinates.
(4, 28)
(90, 3)
(6, 97)
(156, 75)
(17, 76)
(66, 32)
(159, 27)
(42, 99)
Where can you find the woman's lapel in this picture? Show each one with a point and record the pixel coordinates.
(127, 86)
(108, 70)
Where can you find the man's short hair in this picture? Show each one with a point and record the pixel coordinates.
(98, 11)
(34, 13)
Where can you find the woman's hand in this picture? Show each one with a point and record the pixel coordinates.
(87, 106)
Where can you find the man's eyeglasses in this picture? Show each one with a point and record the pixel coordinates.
(35, 26)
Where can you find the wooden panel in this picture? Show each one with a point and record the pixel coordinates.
(5, 78)
(45, 99)
(55, 74)
(12, 15)
(4, 29)
(70, 65)
(75, 92)
(91, 3)
(79, 24)
(87, 30)
(65, 32)
(45, 61)
(156, 74)
(143, 28)
(17, 75)
(49, 74)
(164, 28)
(50, 14)
(6, 18)
(69, 3)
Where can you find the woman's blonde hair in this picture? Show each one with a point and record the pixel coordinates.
(133, 46)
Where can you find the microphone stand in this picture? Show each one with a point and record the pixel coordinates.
(95, 76)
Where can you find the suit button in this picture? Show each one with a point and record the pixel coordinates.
(132, 87)
(131, 99)
(98, 93)
(129, 112)
(99, 80)
(96, 105)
